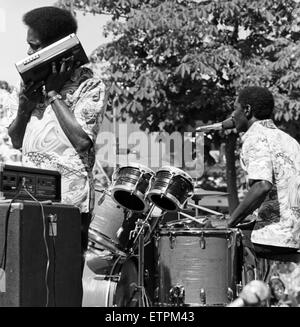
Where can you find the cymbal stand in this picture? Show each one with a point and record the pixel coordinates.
(153, 226)
(140, 229)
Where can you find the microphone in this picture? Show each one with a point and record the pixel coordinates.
(253, 294)
(225, 124)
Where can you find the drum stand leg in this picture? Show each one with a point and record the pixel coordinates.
(139, 294)
(141, 288)
(140, 238)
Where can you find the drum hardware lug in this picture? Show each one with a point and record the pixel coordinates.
(156, 294)
(239, 288)
(172, 239)
(229, 242)
(150, 184)
(131, 251)
(202, 296)
(177, 295)
(146, 274)
(137, 182)
(202, 242)
(229, 294)
(127, 213)
(132, 234)
(135, 231)
(156, 240)
(113, 278)
(238, 241)
(166, 188)
(114, 178)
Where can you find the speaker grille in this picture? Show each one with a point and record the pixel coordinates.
(27, 258)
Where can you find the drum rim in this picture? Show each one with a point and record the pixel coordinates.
(192, 304)
(178, 170)
(109, 244)
(137, 193)
(164, 231)
(137, 165)
(168, 196)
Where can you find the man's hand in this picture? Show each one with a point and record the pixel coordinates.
(30, 95)
(31, 91)
(253, 199)
(57, 79)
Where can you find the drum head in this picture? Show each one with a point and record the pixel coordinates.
(130, 185)
(128, 200)
(164, 202)
(170, 189)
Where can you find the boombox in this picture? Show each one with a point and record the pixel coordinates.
(38, 66)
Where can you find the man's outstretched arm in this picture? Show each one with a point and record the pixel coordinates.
(253, 199)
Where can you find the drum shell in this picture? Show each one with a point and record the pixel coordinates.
(97, 292)
(199, 260)
(108, 279)
(130, 186)
(107, 217)
(115, 289)
(112, 225)
(170, 189)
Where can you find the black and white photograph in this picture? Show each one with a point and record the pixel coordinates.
(150, 157)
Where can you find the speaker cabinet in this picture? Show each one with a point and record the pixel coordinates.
(24, 283)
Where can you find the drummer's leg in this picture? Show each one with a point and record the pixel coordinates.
(249, 265)
(281, 271)
(249, 260)
(257, 261)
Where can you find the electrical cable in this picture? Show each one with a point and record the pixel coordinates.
(54, 263)
(45, 242)
(7, 216)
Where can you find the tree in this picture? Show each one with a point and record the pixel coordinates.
(176, 62)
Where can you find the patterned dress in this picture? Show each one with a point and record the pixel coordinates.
(46, 146)
(8, 154)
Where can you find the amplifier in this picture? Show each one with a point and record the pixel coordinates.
(37, 66)
(23, 240)
(43, 184)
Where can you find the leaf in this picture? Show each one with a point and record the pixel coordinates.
(286, 116)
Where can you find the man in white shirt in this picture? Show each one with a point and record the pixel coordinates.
(271, 159)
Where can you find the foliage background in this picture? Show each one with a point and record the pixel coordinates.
(174, 65)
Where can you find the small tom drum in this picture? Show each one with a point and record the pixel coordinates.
(130, 185)
(109, 221)
(171, 189)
